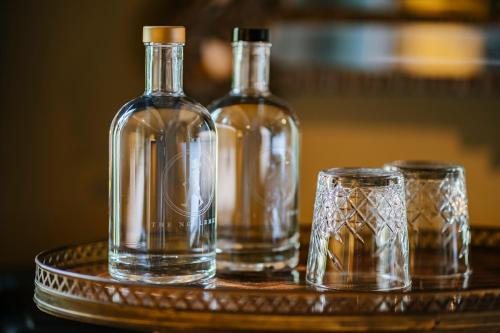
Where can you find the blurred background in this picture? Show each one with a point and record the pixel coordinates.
(371, 81)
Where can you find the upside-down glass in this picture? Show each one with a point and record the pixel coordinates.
(359, 233)
(438, 222)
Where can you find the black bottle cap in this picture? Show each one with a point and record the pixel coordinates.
(250, 35)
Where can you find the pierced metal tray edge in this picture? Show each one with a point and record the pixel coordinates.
(100, 300)
(51, 261)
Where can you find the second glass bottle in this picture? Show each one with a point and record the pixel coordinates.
(258, 165)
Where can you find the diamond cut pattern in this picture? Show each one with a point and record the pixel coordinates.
(438, 214)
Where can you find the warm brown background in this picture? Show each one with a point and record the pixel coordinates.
(67, 66)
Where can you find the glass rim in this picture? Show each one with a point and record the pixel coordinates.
(360, 176)
(429, 168)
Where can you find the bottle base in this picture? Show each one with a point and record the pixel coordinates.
(359, 282)
(255, 261)
(161, 269)
(449, 281)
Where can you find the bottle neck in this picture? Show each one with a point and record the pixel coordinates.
(164, 69)
(250, 68)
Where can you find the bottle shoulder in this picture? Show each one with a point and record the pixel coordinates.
(163, 102)
(172, 105)
(230, 102)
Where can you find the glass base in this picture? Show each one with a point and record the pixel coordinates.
(256, 261)
(450, 281)
(365, 282)
(162, 269)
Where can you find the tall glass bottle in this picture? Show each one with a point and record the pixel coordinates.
(258, 165)
(163, 150)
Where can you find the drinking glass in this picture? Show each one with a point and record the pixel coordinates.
(359, 237)
(438, 221)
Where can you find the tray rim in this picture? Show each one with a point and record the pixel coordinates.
(420, 310)
(313, 323)
(39, 263)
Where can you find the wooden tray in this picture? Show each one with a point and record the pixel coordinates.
(73, 282)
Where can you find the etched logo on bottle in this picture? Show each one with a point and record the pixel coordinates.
(275, 178)
(189, 181)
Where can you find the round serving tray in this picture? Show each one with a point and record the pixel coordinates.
(73, 282)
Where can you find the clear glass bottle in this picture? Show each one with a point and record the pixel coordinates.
(258, 165)
(163, 148)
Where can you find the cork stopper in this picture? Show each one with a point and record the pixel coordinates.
(164, 34)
